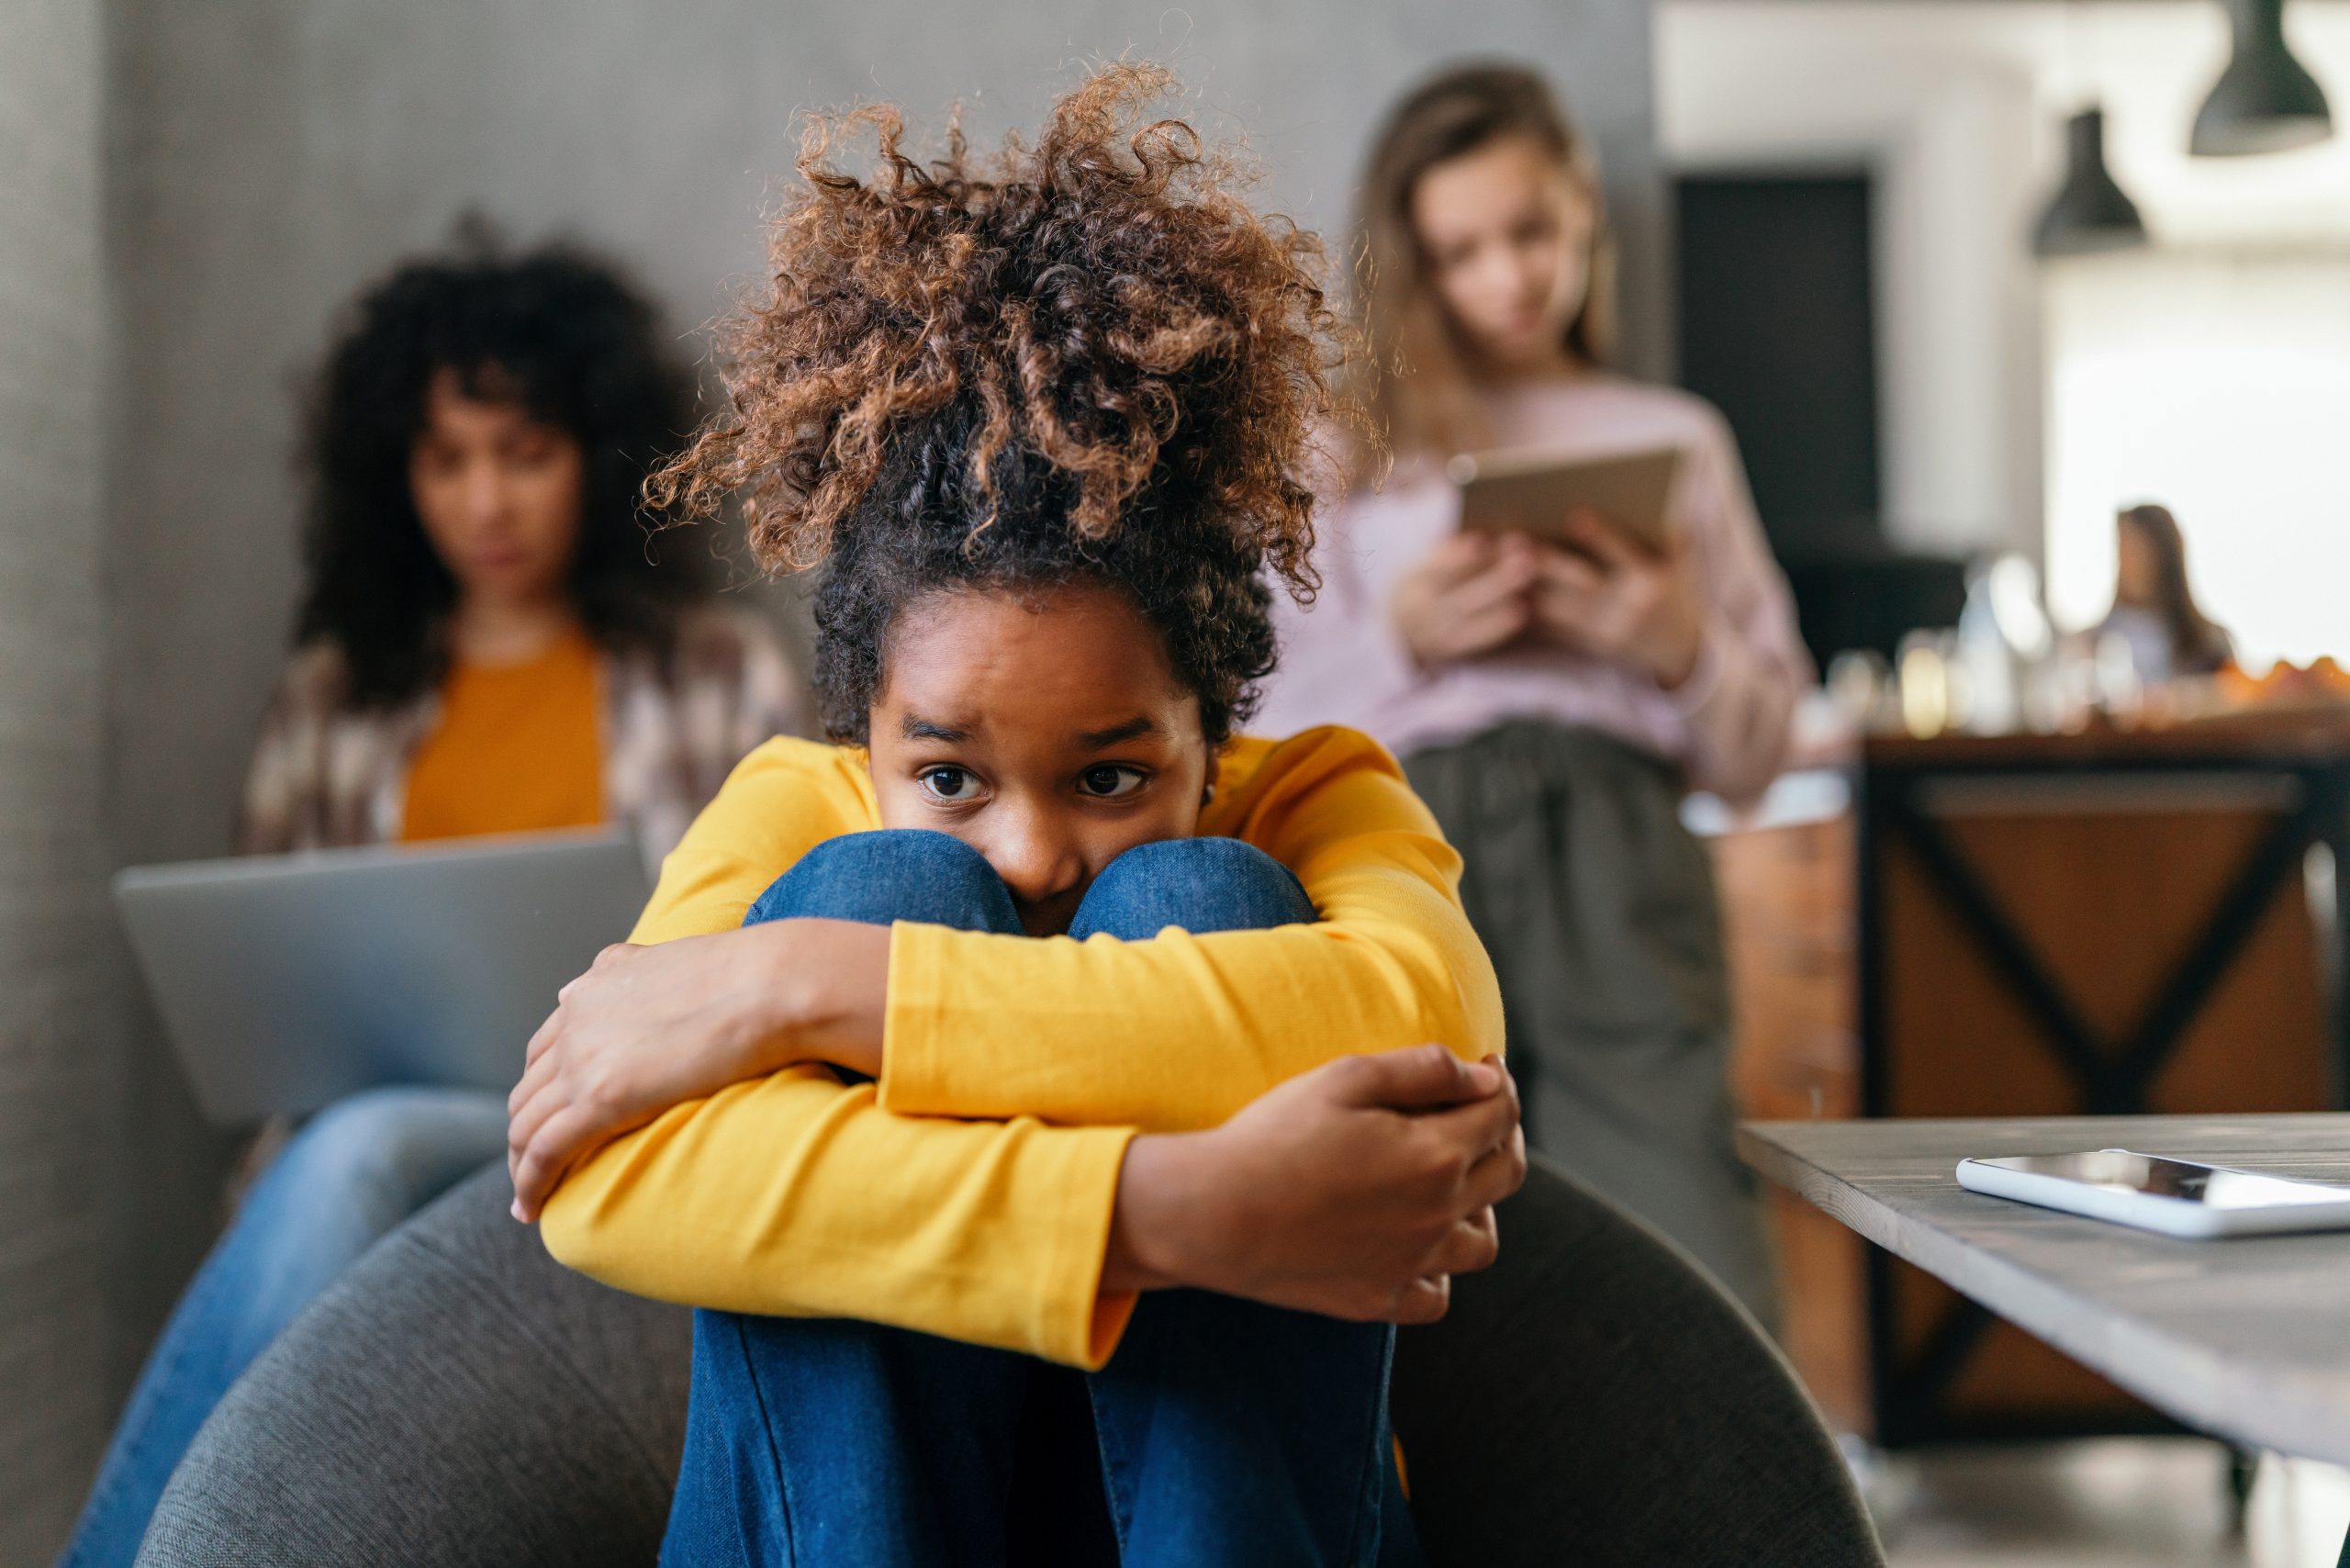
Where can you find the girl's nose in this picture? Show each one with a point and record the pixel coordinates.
(1036, 862)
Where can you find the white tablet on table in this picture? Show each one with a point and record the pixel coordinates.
(2150, 1191)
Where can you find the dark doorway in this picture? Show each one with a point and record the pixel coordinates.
(1778, 329)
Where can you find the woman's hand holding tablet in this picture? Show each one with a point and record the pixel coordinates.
(1473, 593)
(1580, 553)
(1605, 599)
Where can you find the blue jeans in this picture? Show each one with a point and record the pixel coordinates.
(1223, 1433)
(354, 1172)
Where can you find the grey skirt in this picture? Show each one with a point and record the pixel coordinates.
(1599, 911)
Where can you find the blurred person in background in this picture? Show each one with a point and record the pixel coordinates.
(2154, 610)
(1552, 704)
(486, 644)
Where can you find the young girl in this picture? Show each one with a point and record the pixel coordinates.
(1551, 705)
(1003, 1064)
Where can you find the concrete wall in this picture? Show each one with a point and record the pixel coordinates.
(272, 156)
(54, 952)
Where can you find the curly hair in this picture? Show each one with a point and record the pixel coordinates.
(1089, 359)
(558, 332)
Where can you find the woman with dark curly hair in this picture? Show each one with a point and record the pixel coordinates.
(489, 641)
(486, 644)
(1034, 1089)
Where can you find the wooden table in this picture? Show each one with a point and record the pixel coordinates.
(2115, 922)
(2247, 1339)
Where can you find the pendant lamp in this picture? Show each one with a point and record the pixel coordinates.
(2265, 101)
(2090, 213)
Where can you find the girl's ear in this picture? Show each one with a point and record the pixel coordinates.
(1215, 761)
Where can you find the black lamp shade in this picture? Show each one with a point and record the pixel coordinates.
(2089, 212)
(2264, 102)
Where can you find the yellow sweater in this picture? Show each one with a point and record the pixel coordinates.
(970, 1193)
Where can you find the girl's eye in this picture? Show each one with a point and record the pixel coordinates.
(952, 785)
(1111, 780)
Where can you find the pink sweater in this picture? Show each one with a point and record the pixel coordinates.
(1343, 662)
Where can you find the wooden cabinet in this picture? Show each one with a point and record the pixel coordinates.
(1788, 912)
(2023, 926)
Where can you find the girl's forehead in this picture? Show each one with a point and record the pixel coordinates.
(1077, 656)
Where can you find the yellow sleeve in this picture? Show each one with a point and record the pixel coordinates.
(1180, 1032)
(784, 798)
(796, 1194)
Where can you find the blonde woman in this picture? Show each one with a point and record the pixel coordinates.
(1552, 704)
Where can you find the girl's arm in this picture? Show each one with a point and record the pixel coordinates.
(1181, 1031)
(1355, 1191)
(1172, 1034)
(795, 1193)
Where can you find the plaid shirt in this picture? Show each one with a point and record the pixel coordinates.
(326, 775)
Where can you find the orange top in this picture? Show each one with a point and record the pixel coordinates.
(519, 749)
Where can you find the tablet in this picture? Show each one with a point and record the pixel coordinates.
(286, 981)
(1532, 492)
(2174, 1197)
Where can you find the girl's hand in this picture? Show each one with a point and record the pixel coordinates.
(651, 1027)
(1355, 1190)
(1619, 604)
(1471, 595)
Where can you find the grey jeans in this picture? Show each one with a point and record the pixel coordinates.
(1599, 911)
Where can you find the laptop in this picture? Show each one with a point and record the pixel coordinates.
(287, 982)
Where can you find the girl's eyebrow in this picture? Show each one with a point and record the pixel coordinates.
(914, 729)
(1133, 729)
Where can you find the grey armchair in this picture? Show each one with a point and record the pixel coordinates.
(460, 1399)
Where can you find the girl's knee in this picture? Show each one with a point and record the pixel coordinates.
(886, 875)
(1197, 885)
(401, 1142)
